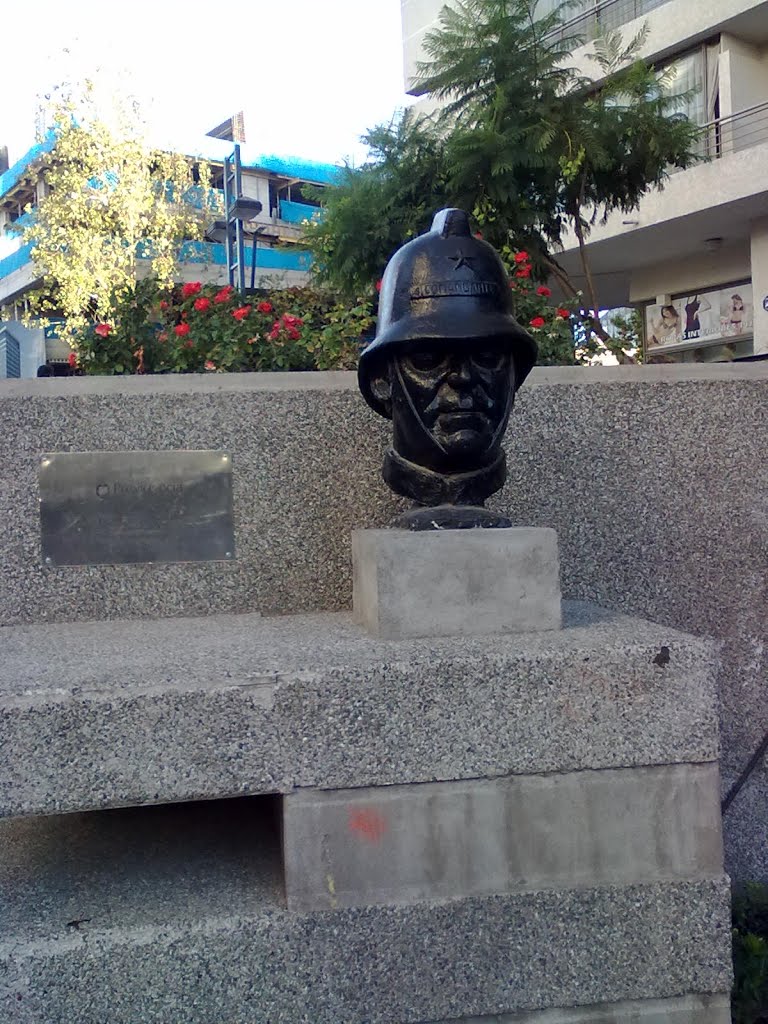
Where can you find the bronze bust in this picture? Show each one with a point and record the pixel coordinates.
(444, 366)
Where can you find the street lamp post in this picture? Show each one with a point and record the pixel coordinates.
(237, 207)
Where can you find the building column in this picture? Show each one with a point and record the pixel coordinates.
(759, 255)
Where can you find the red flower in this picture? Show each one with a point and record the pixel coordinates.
(521, 257)
(478, 234)
(189, 344)
(292, 321)
(274, 334)
(241, 313)
(210, 365)
(252, 341)
(543, 290)
(163, 305)
(264, 307)
(72, 360)
(162, 336)
(293, 334)
(378, 285)
(181, 329)
(224, 294)
(190, 288)
(103, 330)
(564, 313)
(538, 321)
(523, 271)
(202, 305)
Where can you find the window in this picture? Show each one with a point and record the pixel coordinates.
(589, 17)
(684, 77)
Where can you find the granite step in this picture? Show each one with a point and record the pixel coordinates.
(108, 714)
(176, 914)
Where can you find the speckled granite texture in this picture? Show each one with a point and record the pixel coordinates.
(305, 473)
(746, 823)
(379, 965)
(106, 713)
(176, 916)
(655, 479)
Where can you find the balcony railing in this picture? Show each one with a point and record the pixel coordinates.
(731, 134)
(604, 16)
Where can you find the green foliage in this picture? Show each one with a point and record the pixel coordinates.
(624, 328)
(750, 955)
(525, 142)
(377, 207)
(194, 329)
(337, 345)
(110, 200)
(531, 138)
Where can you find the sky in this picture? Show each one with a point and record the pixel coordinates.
(310, 75)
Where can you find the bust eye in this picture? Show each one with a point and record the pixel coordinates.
(426, 359)
(488, 358)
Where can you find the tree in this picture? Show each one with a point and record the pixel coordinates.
(530, 145)
(113, 206)
(392, 198)
(375, 208)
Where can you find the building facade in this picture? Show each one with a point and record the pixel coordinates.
(694, 256)
(273, 254)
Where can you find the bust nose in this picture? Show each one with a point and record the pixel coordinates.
(460, 371)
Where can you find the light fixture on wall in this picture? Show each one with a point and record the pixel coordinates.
(713, 244)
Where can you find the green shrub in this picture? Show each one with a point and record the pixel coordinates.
(750, 955)
(195, 329)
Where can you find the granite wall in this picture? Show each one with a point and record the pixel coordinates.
(654, 477)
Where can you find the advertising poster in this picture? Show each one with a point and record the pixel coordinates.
(736, 311)
(701, 317)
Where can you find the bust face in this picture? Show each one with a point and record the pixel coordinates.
(451, 402)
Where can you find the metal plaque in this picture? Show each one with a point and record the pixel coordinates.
(109, 508)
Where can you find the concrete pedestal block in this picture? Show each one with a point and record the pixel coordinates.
(456, 582)
(714, 1009)
(404, 844)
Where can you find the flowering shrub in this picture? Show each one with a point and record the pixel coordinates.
(551, 326)
(196, 329)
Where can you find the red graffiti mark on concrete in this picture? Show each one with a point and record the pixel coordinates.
(368, 824)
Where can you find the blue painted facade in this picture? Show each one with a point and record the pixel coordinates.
(16, 260)
(286, 166)
(277, 259)
(297, 213)
(194, 252)
(266, 259)
(10, 178)
(20, 223)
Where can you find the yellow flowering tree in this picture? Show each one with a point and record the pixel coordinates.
(114, 210)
